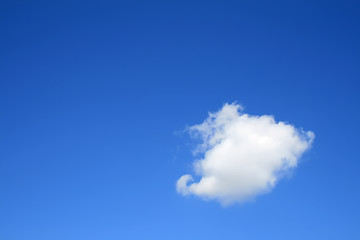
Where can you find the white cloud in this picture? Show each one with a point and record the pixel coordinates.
(244, 155)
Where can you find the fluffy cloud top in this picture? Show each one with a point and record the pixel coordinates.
(244, 155)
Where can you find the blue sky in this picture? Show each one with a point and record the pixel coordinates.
(95, 97)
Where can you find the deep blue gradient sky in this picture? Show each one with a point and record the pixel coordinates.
(95, 95)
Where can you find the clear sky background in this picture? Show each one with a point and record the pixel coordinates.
(95, 95)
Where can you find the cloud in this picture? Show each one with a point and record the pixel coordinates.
(243, 155)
